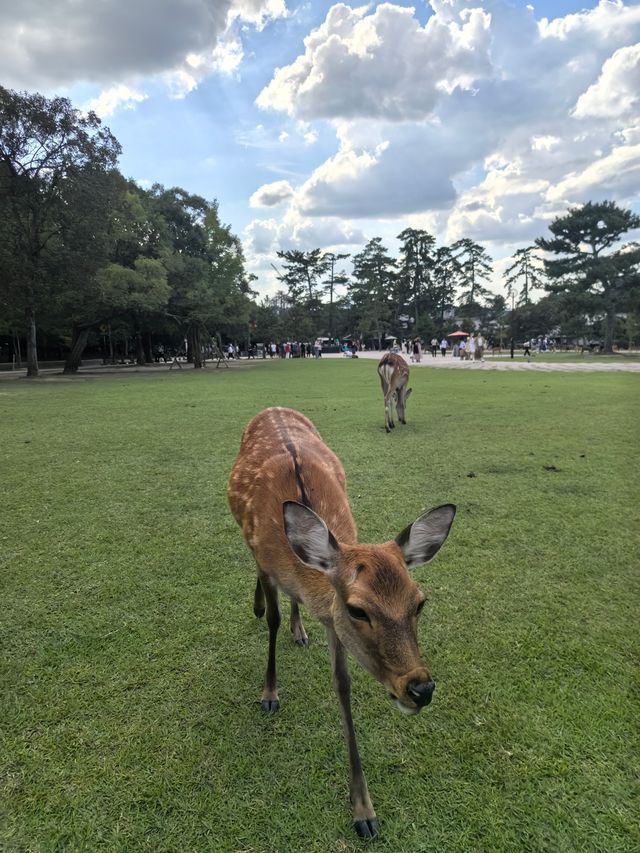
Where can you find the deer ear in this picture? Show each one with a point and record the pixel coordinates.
(311, 540)
(421, 541)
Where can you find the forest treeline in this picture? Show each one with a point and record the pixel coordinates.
(88, 256)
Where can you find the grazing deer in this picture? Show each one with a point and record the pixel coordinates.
(287, 491)
(394, 376)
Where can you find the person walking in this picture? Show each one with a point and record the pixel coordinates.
(471, 347)
(443, 347)
(434, 347)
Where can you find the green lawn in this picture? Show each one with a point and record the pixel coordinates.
(132, 663)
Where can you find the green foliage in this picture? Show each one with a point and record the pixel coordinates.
(475, 267)
(371, 289)
(81, 246)
(302, 274)
(525, 270)
(414, 274)
(586, 274)
(132, 662)
(141, 289)
(55, 198)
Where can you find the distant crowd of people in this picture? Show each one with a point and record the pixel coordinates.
(472, 348)
(295, 349)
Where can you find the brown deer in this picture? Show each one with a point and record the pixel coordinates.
(393, 371)
(287, 491)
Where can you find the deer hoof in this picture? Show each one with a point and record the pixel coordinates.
(301, 641)
(367, 828)
(258, 612)
(269, 706)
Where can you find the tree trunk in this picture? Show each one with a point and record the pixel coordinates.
(609, 330)
(139, 349)
(195, 345)
(17, 349)
(112, 357)
(32, 344)
(79, 342)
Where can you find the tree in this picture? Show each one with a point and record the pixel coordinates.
(416, 264)
(330, 284)
(587, 269)
(371, 288)
(136, 292)
(302, 274)
(526, 270)
(475, 267)
(86, 245)
(445, 278)
(495, 316)
(209, 287)
(47, 149)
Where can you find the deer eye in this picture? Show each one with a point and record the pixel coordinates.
(358, 613)
(420, 607)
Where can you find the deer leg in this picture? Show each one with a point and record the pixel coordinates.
(388, 412)
(364, 817)
(297, 628)
(258, 600)
(269, 700)
(400, 407)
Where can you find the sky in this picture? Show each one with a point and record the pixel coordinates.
(325, 125)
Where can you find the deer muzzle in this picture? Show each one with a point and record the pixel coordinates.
(413, 692)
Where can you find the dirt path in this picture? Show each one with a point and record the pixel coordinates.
(449, 362)
(94, 370)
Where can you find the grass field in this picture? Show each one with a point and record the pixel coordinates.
(132, 663)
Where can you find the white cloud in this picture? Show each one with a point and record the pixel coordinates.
(482, 123)
(544, 143)
(270, 195)
(109, 100)
(257, 12)
(264, 237)
(610, 19)
(353, 65)
(617, 174)
(616, 92)
(46, 45)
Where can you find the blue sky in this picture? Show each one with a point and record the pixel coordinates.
(324, 125)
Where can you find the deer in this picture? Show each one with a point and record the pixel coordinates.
(287, 492)
(393, 371)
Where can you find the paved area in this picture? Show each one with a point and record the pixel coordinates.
(490, 363)
(447, 363)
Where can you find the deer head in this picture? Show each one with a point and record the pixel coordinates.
(377, 603)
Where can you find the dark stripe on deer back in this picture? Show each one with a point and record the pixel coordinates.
(304, 498)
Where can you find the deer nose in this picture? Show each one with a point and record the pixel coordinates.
(421, 691)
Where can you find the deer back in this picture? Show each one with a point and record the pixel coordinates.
(393, 371)
(283, 458)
